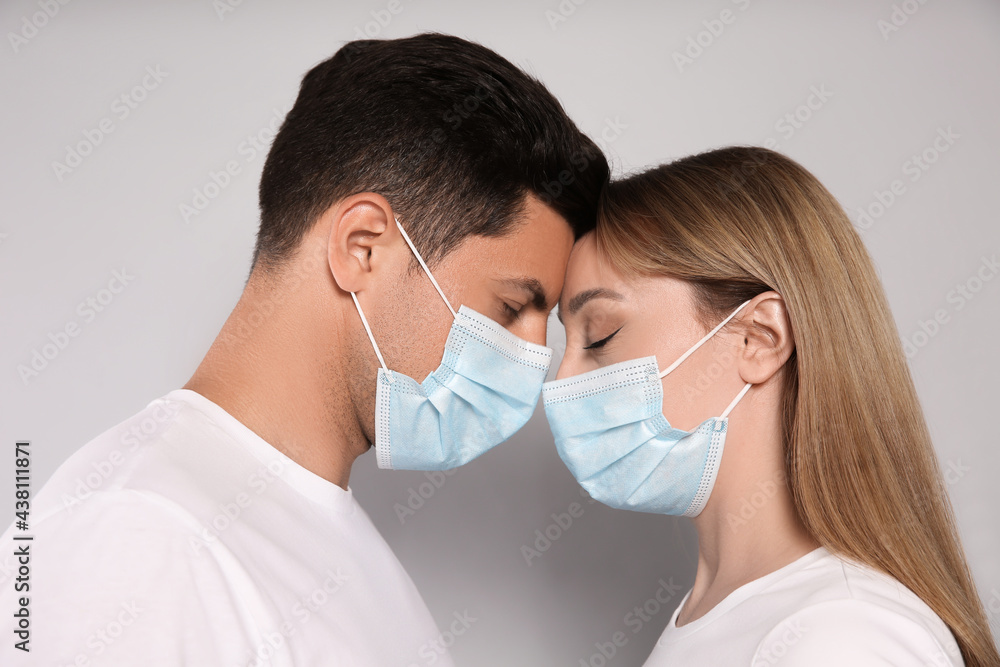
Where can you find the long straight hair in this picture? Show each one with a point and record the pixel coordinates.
(740, 221)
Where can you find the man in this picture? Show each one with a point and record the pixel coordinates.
(220, 529)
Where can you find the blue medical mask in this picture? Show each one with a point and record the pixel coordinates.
(611, 433)
(485, 389)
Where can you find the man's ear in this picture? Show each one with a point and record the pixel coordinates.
(362, 235)
(768, 341)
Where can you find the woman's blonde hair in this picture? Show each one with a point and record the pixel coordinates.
(739, 221)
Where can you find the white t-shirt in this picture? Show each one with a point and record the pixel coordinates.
(818, 611)
(180, 537)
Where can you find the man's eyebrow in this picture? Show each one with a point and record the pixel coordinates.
(578, 301)
(533, 287)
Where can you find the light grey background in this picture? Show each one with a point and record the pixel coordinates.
(885, 96)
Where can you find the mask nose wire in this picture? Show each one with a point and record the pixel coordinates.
(406, 237)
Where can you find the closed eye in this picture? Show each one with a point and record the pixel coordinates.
(510, 311)
(603, 341)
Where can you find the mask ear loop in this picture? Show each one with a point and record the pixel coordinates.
(368, 330)
(711, 333)
(364, 320)
(420, 259)
(701, 342)
(743, 392)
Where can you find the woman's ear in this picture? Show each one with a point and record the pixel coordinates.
(768, 341)
(362, 230)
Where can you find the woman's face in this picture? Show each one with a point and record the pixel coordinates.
(610, 318)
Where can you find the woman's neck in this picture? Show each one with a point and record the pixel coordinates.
(749, 527)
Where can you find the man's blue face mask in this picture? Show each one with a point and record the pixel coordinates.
(611, 433)
(484, 391)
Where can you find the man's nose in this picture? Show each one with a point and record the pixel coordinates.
(534, 328)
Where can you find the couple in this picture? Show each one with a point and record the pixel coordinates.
(424, 207)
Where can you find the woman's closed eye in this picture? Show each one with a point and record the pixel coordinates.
(601, 343)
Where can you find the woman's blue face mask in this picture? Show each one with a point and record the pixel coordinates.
(611, 433)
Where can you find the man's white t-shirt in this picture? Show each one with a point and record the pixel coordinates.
(180, 537)
(819, 611)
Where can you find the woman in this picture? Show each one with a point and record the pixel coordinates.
(825, 535)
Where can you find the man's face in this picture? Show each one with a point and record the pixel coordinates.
(515, 279)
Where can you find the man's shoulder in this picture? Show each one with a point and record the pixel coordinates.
(154, 443)
(136, 559)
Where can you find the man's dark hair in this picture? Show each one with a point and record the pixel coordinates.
(450, 133)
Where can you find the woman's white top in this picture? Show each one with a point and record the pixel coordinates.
(821, 610)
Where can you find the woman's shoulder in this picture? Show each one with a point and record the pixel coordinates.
(854, 614)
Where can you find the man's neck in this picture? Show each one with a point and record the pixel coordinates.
(273, 368)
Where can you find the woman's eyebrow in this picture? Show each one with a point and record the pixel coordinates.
(578, 301)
